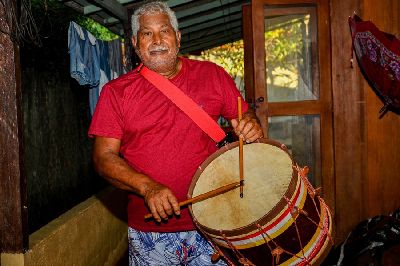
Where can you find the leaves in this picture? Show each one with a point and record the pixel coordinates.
(98, 30)
(230, 56)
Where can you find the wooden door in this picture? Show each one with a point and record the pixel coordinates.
(287, 55)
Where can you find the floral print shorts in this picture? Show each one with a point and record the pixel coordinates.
(181, 248)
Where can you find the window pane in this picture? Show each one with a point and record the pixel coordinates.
(289, 45)
(301, 135)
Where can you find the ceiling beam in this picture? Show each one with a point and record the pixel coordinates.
(171, 3)
(211, 23)
(113, 7)
(174, 3)
(90, 9)
(212, 30)
(122, 2)
(205, 7)
(213, 38)
(200, 17)
(195, 7)
(211, 44)
(228, 6)
(75, 6)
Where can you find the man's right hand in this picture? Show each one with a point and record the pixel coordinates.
(161, 201)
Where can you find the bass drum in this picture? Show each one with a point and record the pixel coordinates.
(281, 220)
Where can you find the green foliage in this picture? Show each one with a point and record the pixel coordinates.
(284, 44)
(98, 30)
(230, 56)
(287, 48)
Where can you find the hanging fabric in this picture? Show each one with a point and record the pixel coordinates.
(378, 56)
(93, 62)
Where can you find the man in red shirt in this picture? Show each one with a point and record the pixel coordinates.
(146, 145)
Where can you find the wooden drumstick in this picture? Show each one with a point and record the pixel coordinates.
(204, 196)
(240, 150)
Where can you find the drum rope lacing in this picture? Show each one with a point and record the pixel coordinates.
(314, 192)
(217, 251)
(242, 259)
(277, 251)
(295, 211)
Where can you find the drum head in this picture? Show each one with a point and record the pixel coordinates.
(267, 174)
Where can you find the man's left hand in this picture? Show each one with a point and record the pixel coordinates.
(249, 129)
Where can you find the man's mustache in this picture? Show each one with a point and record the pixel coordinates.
(158, 48)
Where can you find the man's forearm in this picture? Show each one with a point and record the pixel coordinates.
(116, 171)
(108, 163)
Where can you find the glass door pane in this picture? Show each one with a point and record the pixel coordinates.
(290, 45)
(301, 135)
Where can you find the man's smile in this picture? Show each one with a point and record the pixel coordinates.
(158, 52)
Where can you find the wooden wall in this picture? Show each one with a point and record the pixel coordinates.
(45, 112)
(57, 154)
(13, 211)
(367, 149)
(383, 135)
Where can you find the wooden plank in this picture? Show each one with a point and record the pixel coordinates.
(366, 148)
(296, 108)
(257, 21)
(289, 2)
(349, 132)
(383, 135)
(248, 54)
(326, 110)
(13, 210)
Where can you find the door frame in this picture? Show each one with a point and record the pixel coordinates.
(255, 70)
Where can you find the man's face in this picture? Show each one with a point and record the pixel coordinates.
(157, 44)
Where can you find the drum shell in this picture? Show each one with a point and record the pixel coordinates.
(298, 230)
(303, 229)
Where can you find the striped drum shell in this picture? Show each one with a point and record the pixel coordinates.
(281, 220)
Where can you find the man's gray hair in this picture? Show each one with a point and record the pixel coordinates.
(154, 7)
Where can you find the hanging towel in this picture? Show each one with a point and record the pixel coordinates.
(84, 56)
(93, 62)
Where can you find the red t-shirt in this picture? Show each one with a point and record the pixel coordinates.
(157, 138)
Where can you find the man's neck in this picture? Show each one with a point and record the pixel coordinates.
(172, 73)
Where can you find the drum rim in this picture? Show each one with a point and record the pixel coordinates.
(266, 218)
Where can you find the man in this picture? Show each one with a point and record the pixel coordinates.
(149, 147)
